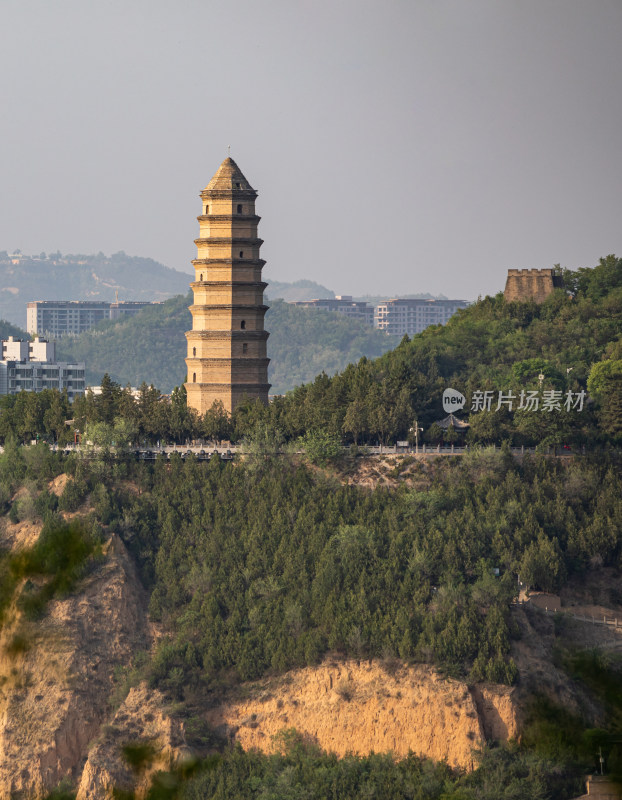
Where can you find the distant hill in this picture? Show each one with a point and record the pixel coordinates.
(299, 290)
(82, 277)
(151, 346)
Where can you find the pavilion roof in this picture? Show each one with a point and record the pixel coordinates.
(451, 421)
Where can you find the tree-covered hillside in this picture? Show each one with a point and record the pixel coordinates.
(305, 342)
(257, 567)
(573, 340)
(266, 565)
(6, 330)
(151, 346)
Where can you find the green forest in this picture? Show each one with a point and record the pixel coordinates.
(255, 567)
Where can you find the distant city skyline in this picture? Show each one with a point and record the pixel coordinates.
(397, 147)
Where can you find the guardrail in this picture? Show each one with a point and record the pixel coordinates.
(426, 451)
(450, 450)
(202, 450)
(183, 453)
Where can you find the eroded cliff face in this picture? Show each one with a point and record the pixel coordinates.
(361, 707)
(140, 720)
(55, 688)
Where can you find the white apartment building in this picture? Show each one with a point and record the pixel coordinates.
(32, 367)
(408, 316)
(397, 316)
(60, 317)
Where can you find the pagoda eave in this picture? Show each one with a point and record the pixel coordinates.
(227, 336)
(233, 240)
(238, 386)
(250, 262)
(219, 194)
(232, 284)
(228, 307)
(229, 218)
(217, 361)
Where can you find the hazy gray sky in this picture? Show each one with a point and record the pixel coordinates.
(397, 146)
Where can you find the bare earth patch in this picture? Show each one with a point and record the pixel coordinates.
(360, 707)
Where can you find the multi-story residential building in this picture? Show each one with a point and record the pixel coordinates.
(32, 367)
(342, 304)
(402, 315)
(60, 317)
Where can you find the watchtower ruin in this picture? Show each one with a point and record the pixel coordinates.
(531, 284)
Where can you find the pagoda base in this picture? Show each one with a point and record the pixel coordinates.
(202, 396)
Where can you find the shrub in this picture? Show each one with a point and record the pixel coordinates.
(320, 446)
(73, 495)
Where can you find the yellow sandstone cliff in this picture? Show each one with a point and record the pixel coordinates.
(55, 693)
(360, 707)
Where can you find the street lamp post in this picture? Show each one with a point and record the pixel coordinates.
(416, 429)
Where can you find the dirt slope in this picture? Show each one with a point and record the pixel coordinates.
(55, 695)
(359, 707)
